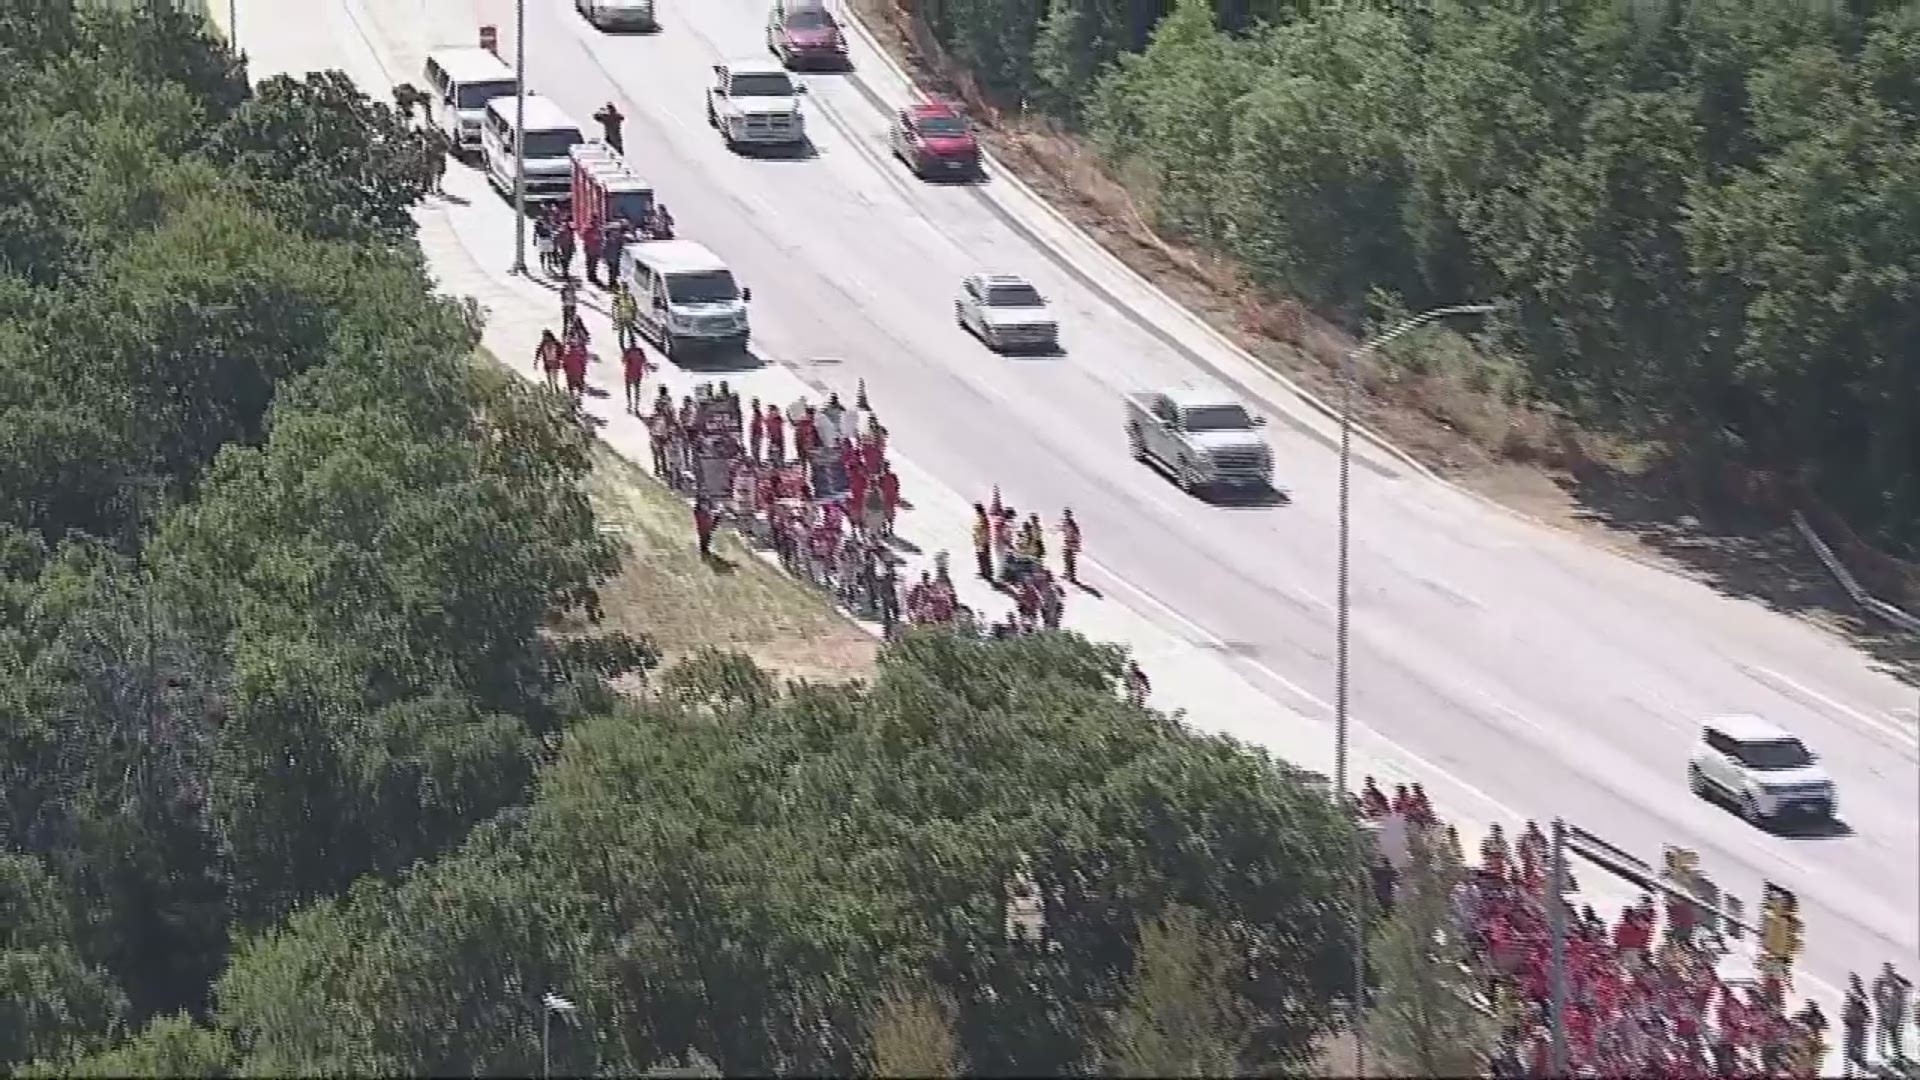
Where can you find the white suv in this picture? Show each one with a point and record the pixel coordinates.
(1763, 769)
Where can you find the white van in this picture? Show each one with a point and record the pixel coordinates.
(550, 135)
(460, 82)
(686, 296)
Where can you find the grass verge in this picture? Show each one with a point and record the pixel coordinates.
(736, 602)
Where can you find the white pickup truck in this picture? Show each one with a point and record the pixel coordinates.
(1203, 438)
(756, 103)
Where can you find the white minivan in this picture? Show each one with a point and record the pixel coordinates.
(686, 296)
(460, 82)
(550, 135)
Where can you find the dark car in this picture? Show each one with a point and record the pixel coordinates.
(934, 140)
(806, 35)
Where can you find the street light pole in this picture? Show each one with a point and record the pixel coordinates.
(1342, 622)
(520, 137)
(233, 25)
(550, 1003)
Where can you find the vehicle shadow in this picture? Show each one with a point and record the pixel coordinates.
(976, 178)
(1016, 353)
(716, 361)
(805, 150)
(1248, 498)
(1828, 829)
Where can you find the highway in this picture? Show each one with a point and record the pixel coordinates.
(1526, 672)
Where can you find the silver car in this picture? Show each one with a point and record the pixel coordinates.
(618, 14)
(1007, 313)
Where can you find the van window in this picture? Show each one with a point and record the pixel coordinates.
(551, 144)
(475, 95)
(710, 287)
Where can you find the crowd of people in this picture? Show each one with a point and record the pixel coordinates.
(1645, 996)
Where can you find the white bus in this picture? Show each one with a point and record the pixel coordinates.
(460, 82)
(549, 135)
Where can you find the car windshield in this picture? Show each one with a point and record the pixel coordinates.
(809, 19)
(475, 95)
(772, 84)
(1774, 755)
(1217, 418)
(551, 144)
(947, 126)
(711, 287)
(1014, 296)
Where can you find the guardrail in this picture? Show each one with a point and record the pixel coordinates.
(1873, 604)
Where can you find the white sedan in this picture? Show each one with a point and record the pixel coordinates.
(1007, 313)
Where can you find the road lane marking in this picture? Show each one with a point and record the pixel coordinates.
(1782, 682)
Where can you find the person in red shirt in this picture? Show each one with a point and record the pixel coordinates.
(806, 435)
(890, 495)
(857, 493)
(547, 358)
(590, 244)
(703, 523)
(574, 361)
(634, 360)
(776, 436)
(873, 447)
(1373, 801)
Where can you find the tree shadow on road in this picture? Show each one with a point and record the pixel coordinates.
(1741, 551)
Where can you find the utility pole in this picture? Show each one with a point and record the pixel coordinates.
(520, 137)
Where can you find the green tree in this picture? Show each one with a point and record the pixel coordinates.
(52, 1003)
(1183, 1015)
(1424, 1016)
(328, 159)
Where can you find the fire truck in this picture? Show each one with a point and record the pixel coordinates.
(605, 187)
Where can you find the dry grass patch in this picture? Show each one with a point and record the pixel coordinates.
(738, 603)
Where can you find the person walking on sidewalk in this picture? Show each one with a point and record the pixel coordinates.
(573, 359)
(982, 543)
(1070, 546)
(703, 523)
(1854, 1017)
(1890, 993)
(776, 436)
(590, 239)
(756, 431)
(569, 306)
(546, 357)
(633, 361)
(543, 243)
(563, 250)
(626, 316)
(613, 241)
(1137, 685)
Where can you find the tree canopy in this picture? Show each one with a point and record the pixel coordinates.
(314, 759)
(1704, 214)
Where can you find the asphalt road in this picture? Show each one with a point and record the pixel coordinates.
(1539, 674)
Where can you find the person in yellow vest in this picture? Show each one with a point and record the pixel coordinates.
(982, 542)
(626, 316)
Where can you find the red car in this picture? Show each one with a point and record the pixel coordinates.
(804, 34)
(934, 140)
